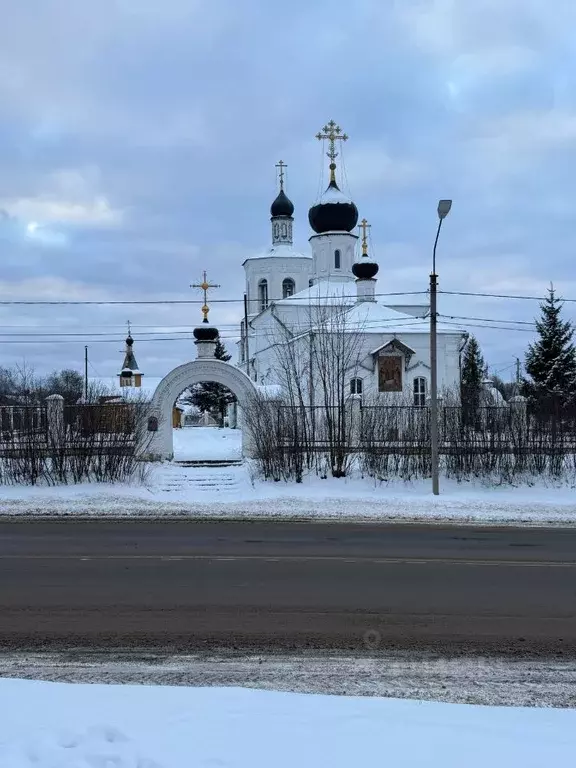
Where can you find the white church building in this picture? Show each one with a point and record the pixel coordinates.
(291, 297)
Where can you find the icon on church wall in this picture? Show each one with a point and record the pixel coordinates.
(390, 373)
(152, 424)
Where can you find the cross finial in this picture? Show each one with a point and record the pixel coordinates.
(333, 133)
(281, 165)
(205, 287)
(129, 328)
(364, 226)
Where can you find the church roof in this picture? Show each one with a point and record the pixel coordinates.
(365, 316)
(324, 292)
(372, 317)
(280, 251)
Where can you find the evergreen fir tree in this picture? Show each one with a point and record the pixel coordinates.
(473, 371)
(212, 397)
(551, 360)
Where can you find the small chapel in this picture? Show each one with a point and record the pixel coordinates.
(333, 288)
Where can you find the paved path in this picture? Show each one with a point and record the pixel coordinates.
(255, 585)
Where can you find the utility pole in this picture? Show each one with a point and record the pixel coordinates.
(86, 373)
(443, 210)
(518, 371)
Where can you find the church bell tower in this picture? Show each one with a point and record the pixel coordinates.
(281, 271)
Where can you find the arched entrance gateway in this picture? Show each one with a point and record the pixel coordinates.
(204, 369)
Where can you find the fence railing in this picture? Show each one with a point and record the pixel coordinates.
(90, 420)
(377, 427)
(21, 421)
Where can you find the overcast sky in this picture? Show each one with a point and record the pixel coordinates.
(138, 140)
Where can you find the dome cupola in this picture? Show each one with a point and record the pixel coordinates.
(334, 212)
(281, 212)
(365, 270)
(205, 332)
(282, 206)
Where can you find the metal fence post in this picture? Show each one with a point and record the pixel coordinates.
(55, 419)
(354, 408)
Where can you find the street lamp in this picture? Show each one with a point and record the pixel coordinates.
(443, 210)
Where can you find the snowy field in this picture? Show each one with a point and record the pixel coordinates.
(56, 725)
(233, 492)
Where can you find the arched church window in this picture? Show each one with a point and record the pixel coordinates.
(356, 386)
(337, 259)
(288, 287)
(284, 230)
(263, 294)
(419, 388)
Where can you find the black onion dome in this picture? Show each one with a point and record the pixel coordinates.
(334, 213)
(205, 333)
(129, 341)
(365, 270)
(282, 206)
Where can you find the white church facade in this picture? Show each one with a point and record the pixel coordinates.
(292, 297)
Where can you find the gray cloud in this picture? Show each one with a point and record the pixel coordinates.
(138, 142)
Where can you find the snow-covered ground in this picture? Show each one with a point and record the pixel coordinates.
(55, 725)
(503, 681)
(233, 492)
(207, 443)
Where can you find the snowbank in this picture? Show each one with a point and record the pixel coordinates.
(71, 726)
(233, 492)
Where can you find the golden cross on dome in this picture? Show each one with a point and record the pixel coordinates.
(364, 226)
(129, 328)
(333, 133)
(205, 287)
(281, 165)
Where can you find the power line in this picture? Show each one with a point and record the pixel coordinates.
(493, 327)
(169, 302)
(501, 296)
(490, 320)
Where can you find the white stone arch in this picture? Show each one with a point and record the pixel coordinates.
(175, 382)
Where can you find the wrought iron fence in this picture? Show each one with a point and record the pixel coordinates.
(21, 421)
(89, 420)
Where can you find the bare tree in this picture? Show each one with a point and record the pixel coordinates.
(312, 427)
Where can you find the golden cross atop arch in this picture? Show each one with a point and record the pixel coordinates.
(332, 133)
(281, 165)
(205, 286)
(364, 226)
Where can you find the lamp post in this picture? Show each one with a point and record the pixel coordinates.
(443, 210)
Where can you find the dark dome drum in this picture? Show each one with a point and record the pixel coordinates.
(334, 213)
(365, 270)
(282, 206)
(205, 333)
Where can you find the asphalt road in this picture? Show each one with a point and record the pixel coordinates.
(261, 585)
